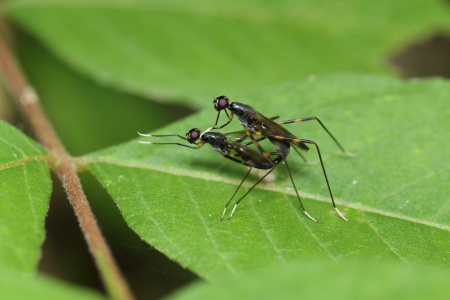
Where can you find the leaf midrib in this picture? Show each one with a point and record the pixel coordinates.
(210, 177)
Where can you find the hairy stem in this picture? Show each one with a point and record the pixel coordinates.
(62, 163)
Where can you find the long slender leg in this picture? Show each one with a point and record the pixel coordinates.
(296, 192)
(251, 142)
(255, 142)
(265, 137)
(321, 163)
(328, 183)
(230, 118)
(239, 186)
(301, 155)
(321, 124)
(240, 199)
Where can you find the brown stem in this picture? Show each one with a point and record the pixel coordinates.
(63, 164)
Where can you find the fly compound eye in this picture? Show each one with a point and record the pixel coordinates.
(193, 135)
(220, 103)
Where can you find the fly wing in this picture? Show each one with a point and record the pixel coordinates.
(250, 156)
(242, 138)
(236, 136)
(268, 126)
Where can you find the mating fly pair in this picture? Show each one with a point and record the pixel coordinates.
(254, 123)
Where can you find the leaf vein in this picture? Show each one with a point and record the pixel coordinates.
(211, 239)
(412, 183)
(148, 213)
(266, 234)
(193, 174)
(384, 241)
(311, 233)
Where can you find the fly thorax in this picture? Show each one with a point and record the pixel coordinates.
(221, 148)
(244, 121)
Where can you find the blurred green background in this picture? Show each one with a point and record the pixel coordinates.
(105, 70)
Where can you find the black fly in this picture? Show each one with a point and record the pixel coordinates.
(256, 123)
(234, 151)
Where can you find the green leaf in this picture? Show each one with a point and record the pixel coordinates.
(395, 192)
(320, 280)
(25, 188)
(27, 286)
(191, 50)
(66, 96)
